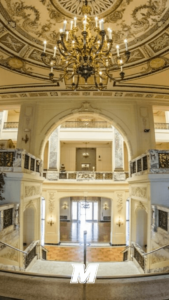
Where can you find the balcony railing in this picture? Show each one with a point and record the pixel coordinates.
(154, 161)
(161, 125)
(17, 160)
(86, 124)
(11, 125)
(85, 175)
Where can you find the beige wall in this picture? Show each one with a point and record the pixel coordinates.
(159, 117)
(13, 116)
(68, 155)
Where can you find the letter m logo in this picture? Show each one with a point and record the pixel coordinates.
(80, 275)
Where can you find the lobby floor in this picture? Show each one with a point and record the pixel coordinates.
(75, 253)
(96, 232)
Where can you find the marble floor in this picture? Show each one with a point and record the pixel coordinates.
(96, 232)
(65, 268)
(75, 253)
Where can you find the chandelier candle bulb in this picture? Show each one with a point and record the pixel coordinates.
(75, 21)
(101, 24)
(100, 75)
(125, 41)
(64, 25)
(67, 35)
(71, 25)
(110, 34)
(118, 52)
(84, 24)
(96, 20)
(54, 51)
(44, 43)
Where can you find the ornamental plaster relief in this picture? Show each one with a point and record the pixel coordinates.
(51, 202)
(119, 202)
(31, 203)
(140, 206)
(140, 192)
(32, 191)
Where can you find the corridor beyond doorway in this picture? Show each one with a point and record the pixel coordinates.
(85, 214)
(96, 232)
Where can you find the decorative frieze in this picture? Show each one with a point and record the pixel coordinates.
(32, 191)
(140, 192)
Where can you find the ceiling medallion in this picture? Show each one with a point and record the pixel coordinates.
(85, 55)
(76, 7)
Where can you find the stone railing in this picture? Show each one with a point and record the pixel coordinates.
(86, 124)
(161, 125)
(10, 125)
(85, 175)
(154, 161)
(138, 255)
(17, 160)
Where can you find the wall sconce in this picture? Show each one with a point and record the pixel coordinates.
(99, 158)
(119, 222)
(51, 221)
(105, 206)
(26, 139)
(65, 206)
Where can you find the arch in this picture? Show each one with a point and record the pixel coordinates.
(65, 116)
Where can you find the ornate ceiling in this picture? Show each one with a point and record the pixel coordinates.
(25, 24)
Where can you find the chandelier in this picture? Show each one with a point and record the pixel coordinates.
(85, 54)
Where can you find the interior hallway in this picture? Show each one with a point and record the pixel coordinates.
(96, 231)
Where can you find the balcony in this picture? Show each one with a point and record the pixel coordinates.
(11, 125)
(17, 160)
(152, 162)
(86, 124)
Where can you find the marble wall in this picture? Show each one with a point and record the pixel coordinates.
(53, 149)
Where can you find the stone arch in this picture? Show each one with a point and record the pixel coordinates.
(89, 110)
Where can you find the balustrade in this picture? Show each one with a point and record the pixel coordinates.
(15, 160)
(154, 161)
(86, 124)
(85, 175)
(10, 125)
(161, 125)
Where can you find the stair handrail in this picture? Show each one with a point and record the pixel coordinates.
(126, 248)
(13, 247)
(155, 250)
(43, 247)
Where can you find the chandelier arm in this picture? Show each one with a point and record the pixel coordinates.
(100, 88)
(112, 78)
(63, 43)
(62, 53)
(102, 33)
(111, 43)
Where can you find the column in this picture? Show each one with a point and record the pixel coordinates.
(52, 173)
(118, 156)
(3, 118)
(167, 116)
(118, 219)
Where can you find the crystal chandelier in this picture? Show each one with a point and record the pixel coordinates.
(86, 54)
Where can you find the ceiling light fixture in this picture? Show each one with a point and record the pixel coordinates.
(85, 55)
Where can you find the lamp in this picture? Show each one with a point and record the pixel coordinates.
(86, 54)
(85, 154)
(65, 206)
(105, 206)
(119, 222)
(51, 221)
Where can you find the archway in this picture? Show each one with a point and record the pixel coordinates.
(106, 146)
(57, 121)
